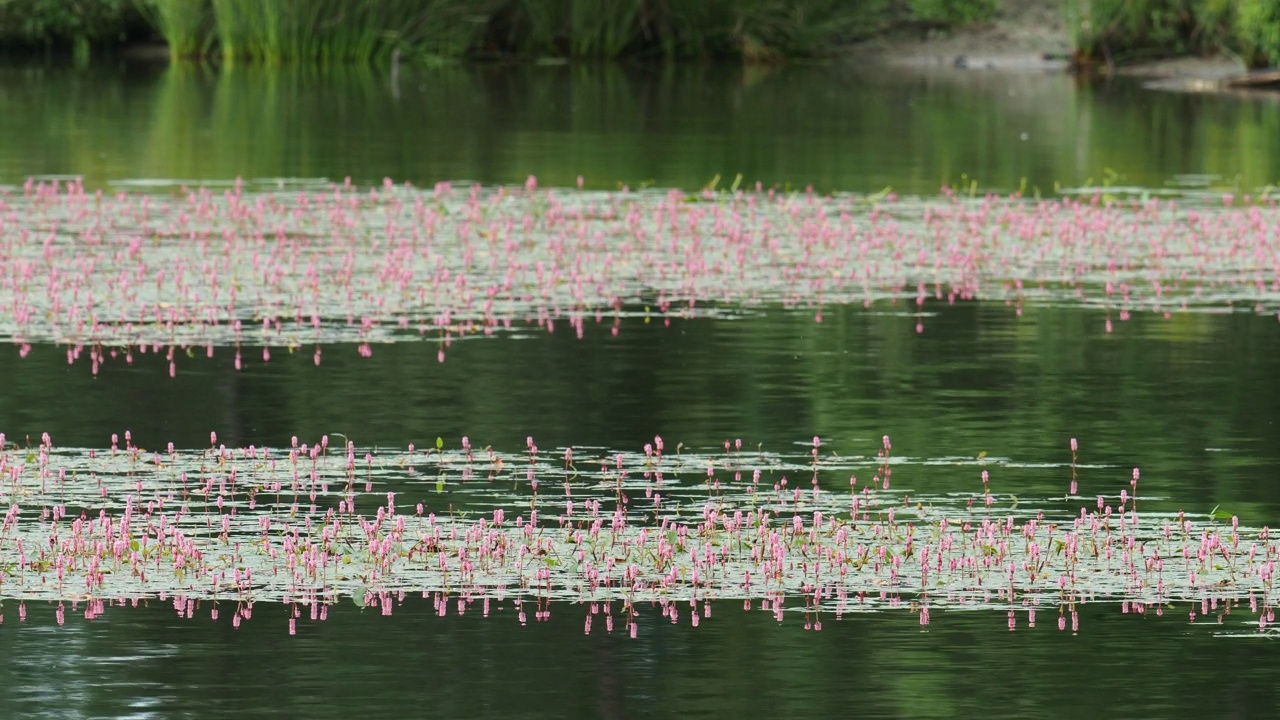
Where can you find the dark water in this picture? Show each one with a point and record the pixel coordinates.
(146, 664)
(1192, 400)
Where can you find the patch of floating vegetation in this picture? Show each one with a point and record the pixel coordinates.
(300, 264)
(619, 534)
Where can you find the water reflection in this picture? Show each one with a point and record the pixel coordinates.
(735, 665)
(835, 127)
(1189, 399)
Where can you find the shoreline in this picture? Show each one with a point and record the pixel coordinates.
(1029, 39)
(1020, 39)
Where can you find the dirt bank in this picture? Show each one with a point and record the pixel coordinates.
(1028, 35)
(1032, 36)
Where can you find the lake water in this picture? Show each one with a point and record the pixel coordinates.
(982, 384)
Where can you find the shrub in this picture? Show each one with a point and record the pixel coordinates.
(1258, 31)
(78, 23)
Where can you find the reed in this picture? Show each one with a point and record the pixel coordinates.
(604, 27)
(752, 29)
(812, 27)
(184, 25)
(328, 31)
(231, 29)
(332, 31)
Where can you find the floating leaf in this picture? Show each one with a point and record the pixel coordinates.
(1219, 514)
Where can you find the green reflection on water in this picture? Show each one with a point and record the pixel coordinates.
(734, 665)
(836, 127)
(1191, 400)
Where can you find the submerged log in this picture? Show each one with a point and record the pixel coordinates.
(1256, 80)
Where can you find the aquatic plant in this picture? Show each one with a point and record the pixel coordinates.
(621, 534)
(109, 275)
(184, 24)
(289, 30)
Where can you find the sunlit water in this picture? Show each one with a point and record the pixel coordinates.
(1188, 398)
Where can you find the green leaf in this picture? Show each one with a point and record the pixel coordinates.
(439, 443)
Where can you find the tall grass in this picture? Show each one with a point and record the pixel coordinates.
(802, 28)
(184, 24)
(274, 31)
(230, 26)
(953, 12)
(754, 29)
(603, 27)
(331, 31)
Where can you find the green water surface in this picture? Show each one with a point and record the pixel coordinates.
(1193, 400)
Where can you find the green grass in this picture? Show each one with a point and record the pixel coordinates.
(275, 31)
(347, 31)
(338, 31)
(184, 24)
(752, 29)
